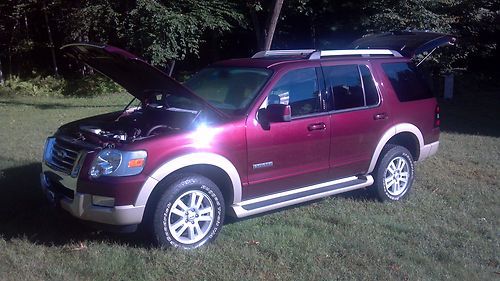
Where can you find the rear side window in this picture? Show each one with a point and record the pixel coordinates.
(352, 86)
(406, 82)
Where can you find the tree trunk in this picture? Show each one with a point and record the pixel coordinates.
(272, 24)
(1, 73)
(51, 42)
(256, 27)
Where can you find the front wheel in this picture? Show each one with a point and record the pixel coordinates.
(189, 213)
(393, 174)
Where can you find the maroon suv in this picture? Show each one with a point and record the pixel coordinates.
(245, 136)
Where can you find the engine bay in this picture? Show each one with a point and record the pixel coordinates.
(136, 123)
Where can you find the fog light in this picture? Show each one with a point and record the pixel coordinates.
(103, 201)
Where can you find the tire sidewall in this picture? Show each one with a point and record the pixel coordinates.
(160, 222)
(391, 153)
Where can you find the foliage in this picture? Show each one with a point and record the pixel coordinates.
(160, 30)
(90, 85)
(201, 31)
(472, 21)
(36, 86)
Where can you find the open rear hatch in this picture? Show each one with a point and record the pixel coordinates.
(407, 43)
(137, 76)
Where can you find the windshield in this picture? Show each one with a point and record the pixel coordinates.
(229, 89)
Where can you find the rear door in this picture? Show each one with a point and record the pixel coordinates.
(358, 117)
(408, 43)
(291, 154)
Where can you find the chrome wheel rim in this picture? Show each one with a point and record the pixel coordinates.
(190, 217)
(396, 176)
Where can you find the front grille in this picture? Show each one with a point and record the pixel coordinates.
(63, 156)
(56, 187)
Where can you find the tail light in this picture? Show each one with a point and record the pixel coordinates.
(437, 117)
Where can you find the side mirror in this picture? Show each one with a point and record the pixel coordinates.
(275, 113)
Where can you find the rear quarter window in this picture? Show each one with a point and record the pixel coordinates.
(406, 82)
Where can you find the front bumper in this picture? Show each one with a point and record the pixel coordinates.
(60, 189)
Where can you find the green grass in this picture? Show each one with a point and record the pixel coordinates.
(448, 229)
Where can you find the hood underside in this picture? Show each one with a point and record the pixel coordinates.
(134, 74)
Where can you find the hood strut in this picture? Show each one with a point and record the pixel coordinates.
(428, 55)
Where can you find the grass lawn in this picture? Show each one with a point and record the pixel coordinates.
(448, 229)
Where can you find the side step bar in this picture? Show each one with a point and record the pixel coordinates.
(300, 195)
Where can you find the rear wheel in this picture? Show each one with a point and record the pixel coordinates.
(393, 174)
(189, 213)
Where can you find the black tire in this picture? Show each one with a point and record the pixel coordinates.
(191, 230)
(390, 186)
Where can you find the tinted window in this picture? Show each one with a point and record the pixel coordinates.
(345, 82)
(371, 94)
(406, 81)
(299, 89)
(230, 89)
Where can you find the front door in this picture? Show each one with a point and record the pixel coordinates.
(292, 154)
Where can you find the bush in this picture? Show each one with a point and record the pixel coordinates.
(90, 85)
(37, 86)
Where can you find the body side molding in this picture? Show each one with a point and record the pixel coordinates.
(197, 158)
(394, 130)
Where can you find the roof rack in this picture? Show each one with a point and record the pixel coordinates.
(273, 53)
(317, 54)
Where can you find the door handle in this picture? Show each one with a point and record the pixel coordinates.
(316, 126)
(380, 116)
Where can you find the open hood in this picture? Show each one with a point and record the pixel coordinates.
(408, 43)
(137, 76)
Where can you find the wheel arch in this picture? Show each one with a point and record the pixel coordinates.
(213, 166)
(404, 134)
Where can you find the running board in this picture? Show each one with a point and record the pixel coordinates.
(300, 195)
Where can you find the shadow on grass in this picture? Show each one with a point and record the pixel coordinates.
(57, 105)
(476, 114)
(25, 214)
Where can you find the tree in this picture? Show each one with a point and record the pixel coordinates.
(159, 30)
(472, 21)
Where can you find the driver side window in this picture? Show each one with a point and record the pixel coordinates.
(299, 89)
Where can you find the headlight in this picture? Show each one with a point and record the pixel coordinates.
(113, 162)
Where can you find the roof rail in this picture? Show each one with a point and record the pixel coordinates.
(302, 52)
(354, 52)
(317, 54)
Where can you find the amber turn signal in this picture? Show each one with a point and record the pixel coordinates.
(136, 163)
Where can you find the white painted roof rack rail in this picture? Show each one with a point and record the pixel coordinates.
(316, 54)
